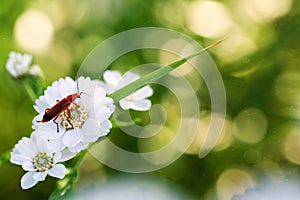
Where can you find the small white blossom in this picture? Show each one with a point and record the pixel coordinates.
(83, 121)
(17, 64)
(137, 100)
(36, 156)
(35, 70)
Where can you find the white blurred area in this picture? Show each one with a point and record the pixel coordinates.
(133, 187)
(233, 182)
(272, 183)
(34, 31)
(287, 189)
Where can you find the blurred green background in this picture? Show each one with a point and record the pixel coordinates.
(259, 62)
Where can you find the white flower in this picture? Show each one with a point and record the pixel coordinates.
(137, 100)
(18, 64)
(38, 159)
(35, 70)
(83, 121)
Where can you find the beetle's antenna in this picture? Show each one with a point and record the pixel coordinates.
(77, 86)
(78, 90)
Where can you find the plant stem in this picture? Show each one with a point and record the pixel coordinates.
(4, 158)
(29, 91)
(79, 159)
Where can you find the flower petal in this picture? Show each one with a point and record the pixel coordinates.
(19, 158)
(143, 93)
(52, 93)
(86, 85)
(56, 157)
(26, 147)
(105, 127)
(42, 144)
(40, 176)
(71, 138)
(41, 105)
(18, 64)
(67, 87)
(23, 151)
(112, 77)
(78, 147)
(91, 130)
(127, 78)
(141, 105)
(28, 166)
(109, 89)
(102, 105)
(48, 130)
(57, 171)
(64, 156)
(125, 104)
(56, 145)
(102, 113)
(27, 181)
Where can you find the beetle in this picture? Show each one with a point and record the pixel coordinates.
(60, 106)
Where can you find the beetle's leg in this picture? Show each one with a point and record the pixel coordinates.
(77, 106)
(69, 114)
(57, 128)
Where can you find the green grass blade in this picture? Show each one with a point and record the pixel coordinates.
(153, 76)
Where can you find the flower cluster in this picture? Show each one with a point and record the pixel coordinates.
(36, 156)
(71, 115)
(19, 65)
(75, 122)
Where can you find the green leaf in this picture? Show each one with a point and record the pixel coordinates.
(4, 158)
(153, 76)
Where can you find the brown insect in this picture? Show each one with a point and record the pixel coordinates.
(61, 105)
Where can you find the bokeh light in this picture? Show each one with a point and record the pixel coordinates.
(208, 18)
(223, 142)
(237, 45)
(34, 31)
(266, 10)
(291, 148)
(287, 93)
(233, 182)
(251, 125)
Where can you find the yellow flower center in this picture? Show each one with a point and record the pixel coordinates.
(74, 116)
(42, 162)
